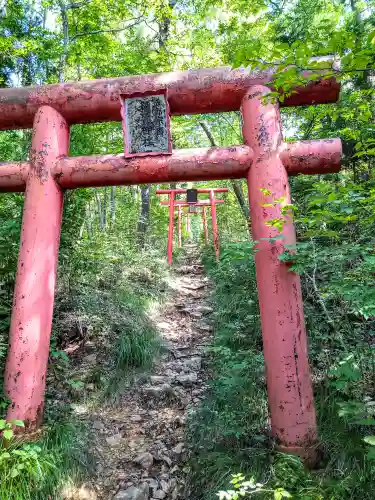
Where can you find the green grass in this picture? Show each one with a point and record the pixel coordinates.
(40, 469)
(229, 433)
(137, 341)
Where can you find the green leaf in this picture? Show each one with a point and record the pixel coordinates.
(14, 473)
(18, 423)
(369, 440)
(366, 421)
(280, 493)
(8, 434)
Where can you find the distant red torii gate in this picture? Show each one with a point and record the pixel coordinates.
(203, 207)
(172, 203)
(265, 160)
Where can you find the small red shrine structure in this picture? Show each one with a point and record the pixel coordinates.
(264, 159)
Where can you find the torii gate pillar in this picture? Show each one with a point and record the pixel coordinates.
(30, 328)
(289, 384)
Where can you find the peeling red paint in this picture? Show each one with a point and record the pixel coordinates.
(13, 176)
(210, 90)
(285, 346)
(34, 290)
(185, 164)
(311, 157)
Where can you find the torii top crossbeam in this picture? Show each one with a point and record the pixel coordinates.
(212, 90)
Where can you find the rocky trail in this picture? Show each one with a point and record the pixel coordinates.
(139, 443)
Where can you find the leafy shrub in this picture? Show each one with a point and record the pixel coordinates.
(230, 431)
(39, 470)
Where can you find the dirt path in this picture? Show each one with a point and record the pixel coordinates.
(139, 444)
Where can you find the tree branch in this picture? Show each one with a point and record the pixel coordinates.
(109, 30)
(208, 133)
(77, 5)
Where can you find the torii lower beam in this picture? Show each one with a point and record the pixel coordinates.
(303, 157)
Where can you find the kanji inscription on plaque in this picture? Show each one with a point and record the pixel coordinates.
(146, 124)
(191, 195)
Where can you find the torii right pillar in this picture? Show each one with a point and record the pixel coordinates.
(290, 393)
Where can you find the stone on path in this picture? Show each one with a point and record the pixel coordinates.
(133, 493)
(114, 440)
(98, 426)
(160, 494)
(145, 460)
(187, 379)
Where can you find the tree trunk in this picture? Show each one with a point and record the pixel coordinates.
(65, 26)
(113, 205)
(164, 26)
(88, 221)
(238, 191)
(105, 204)
(100, 211)
(236, 183)
(144, 215)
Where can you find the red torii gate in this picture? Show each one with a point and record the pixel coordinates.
(265, 160)
(203, 207)
(172, 203)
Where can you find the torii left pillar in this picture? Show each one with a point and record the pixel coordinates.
(31, 321)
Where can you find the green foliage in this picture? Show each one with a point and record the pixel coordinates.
(227, 437)
(40, 469)
(6, 428)
(109, 283)
(137, 342)
(245, 488)
(223, 433)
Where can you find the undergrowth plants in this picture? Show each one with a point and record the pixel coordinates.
(42, 468)
(230, 433)
(107, 290)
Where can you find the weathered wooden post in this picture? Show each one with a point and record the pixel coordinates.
(215, 235)
(171, 226)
